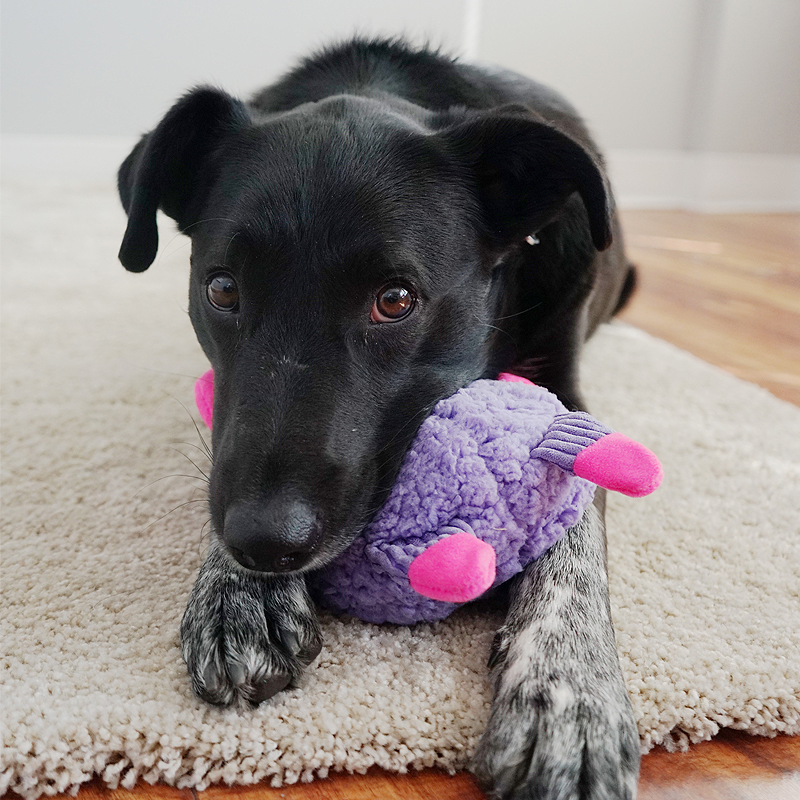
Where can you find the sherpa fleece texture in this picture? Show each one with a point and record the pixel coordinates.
(99, 554)
(472, 460)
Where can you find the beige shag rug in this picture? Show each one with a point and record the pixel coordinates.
(99, 550)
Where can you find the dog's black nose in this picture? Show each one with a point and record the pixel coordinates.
(274, 535)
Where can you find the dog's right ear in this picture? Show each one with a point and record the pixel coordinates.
(168, 169)
(524, 169)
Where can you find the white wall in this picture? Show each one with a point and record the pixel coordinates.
(625, 64)
(754, 96)
(111, 67)
(697, 101)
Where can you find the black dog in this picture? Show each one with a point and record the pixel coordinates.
(369, 234)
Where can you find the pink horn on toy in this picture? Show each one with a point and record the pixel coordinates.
(204, 396)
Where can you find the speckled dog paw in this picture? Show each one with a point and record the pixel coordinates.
(246, 636)
(562, 737)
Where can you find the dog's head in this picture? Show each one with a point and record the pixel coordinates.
(349, 269)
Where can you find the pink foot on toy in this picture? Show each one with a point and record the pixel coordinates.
(621, 464)
(204, 396)
(457, 568)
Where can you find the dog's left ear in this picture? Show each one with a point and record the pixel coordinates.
(168, 169)
(525, 170)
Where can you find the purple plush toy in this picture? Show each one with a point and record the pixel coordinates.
(495, 476)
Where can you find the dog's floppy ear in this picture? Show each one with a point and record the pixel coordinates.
(525, 170)
(166, 169)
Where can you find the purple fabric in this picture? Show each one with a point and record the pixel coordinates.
(474, 459)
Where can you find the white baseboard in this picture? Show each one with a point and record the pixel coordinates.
(708, 182)
(712, 182)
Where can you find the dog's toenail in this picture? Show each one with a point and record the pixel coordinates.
(315, 650)
(290, 641)
(210, 678)
(237, 673)
(271, 686)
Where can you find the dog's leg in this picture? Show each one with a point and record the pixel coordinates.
(561, 724)
(244, 635)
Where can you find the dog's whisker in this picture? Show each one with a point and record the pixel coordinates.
(197, 429)
(165, 250)
(166, 372)
(164, 477)
(205, 452)
(424, 411)
(191, 462)
(204, 535)
(230, 242)
(208, 219)
(518, 313)
(205, 449)
(180, 505)
(489, 326)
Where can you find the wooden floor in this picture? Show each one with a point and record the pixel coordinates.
(727, 288)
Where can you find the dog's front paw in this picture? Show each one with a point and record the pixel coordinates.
(244, 636)
(560, 736)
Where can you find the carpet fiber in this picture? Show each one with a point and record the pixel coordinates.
(102, 541)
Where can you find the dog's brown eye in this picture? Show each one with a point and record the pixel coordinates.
(392, 304)
(222, 292)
